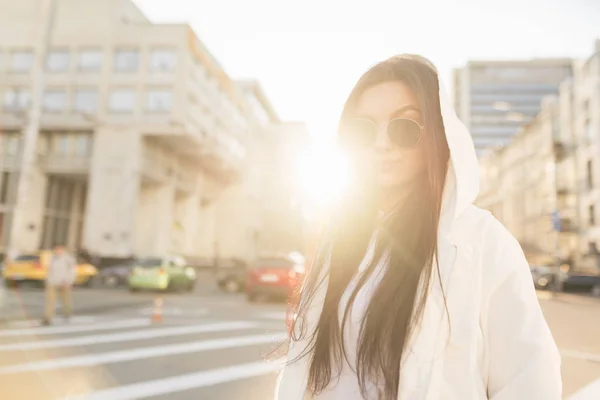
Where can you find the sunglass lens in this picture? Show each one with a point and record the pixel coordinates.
(404, 132)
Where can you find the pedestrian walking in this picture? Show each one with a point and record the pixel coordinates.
(61, 275)
(415, 293)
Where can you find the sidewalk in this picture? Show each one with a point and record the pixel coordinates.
(570, 298)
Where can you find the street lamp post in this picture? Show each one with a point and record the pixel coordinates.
(21, 176)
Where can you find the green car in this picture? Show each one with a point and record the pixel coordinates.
(162, 273)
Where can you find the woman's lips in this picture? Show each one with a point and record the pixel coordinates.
(386, 166)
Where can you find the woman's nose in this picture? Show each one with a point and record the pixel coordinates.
(382, 141)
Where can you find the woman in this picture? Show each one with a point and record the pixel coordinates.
(416, 293)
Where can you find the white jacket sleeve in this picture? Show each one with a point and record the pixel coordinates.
(523, 360)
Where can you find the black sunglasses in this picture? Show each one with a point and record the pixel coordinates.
(362, 132)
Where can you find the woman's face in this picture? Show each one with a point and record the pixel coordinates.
(391, 165)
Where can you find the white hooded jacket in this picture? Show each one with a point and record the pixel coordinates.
(498, 345)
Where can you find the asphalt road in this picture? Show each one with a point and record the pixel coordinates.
(209, 345)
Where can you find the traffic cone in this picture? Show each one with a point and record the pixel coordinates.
(157, 311)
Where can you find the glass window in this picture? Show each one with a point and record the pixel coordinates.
(60, 144)
(11, 145)
(21, 60)
(58, 61)
(159, 100)
(82, 145)
(85, 100)
(54, 100)
(16, 99)
(90, 60)
(150, 262)
(126, 60)
(122, 100)
(163, 60)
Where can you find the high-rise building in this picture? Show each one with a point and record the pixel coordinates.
(495, 98)
(141, 133)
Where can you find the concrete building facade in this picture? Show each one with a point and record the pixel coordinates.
(552, 166)
(141, 137)
(583, 97)
(495, 98)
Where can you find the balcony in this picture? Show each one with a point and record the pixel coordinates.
(568, 225)
(62, 164)
(562, 150)
(186, 182)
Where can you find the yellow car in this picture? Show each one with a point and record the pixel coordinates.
(34, 267)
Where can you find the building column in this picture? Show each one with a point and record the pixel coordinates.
(205, 241)
(234, 224)
(154, 220)
(78, 196)
(113, 192)
(187, 210)
(26, 234)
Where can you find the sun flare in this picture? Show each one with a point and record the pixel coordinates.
(323, 175)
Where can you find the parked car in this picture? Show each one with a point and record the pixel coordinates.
(231, 275)
(581, 281)
(274, 276)
(116, 275)
(162, 273)
(543, 276)
(34, 268)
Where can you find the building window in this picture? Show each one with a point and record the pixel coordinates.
(590, 174)
(587, 129)
(122, 100)
(126, 60)
(10, 144)
(163, 60)
(21, 61)
(54, 100)
(85, 101)
(58, 61)
(82, 145)
(60, 144)
(159, 100)
(592, 215)
(90, 60)
(16, 99)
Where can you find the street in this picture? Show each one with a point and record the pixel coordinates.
(209, 345)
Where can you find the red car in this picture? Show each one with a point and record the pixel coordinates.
(275, 276)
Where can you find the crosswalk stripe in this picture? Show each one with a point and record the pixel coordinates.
(280, 316)
(80, 319)
(130, 336)
(184, 382)
(100, 326)
(145, 352)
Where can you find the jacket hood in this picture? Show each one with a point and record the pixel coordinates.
(462, 181)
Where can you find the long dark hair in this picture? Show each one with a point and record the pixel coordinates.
(407, 238)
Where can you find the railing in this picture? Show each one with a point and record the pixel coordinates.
(65, 164)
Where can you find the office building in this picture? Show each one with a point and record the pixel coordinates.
(141, 133)
(495, 98)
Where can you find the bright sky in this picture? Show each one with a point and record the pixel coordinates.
(308, 54)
